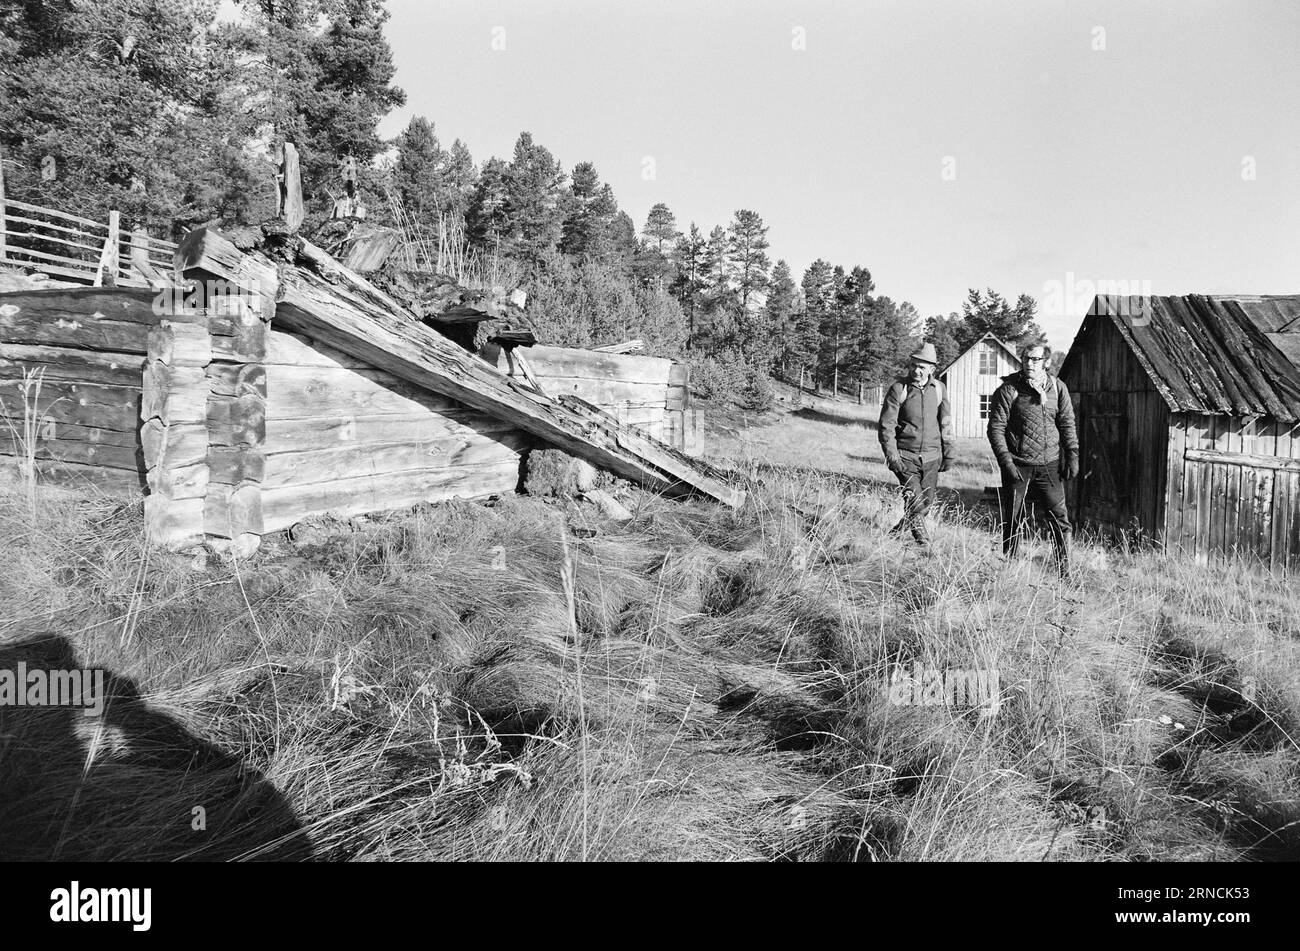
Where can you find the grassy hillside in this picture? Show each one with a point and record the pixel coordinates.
(697, 684)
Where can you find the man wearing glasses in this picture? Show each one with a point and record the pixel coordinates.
(1032, 432)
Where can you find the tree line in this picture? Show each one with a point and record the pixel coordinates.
(154, 108)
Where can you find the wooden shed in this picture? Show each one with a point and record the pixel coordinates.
(972, 380)
(1189, 423)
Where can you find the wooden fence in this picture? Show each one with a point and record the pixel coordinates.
(72, 248)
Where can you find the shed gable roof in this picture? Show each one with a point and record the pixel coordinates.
(971, 349)
(1233, 355)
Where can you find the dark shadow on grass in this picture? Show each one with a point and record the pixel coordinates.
(152, 792)
(866, 422)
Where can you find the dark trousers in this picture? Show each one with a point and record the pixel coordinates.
(919, 479)
(1041, 485)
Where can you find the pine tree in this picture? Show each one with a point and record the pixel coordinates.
(138, 103)
(660, 228)
(534, 215)
(353, 91)
(688, 259)
(747, 246)
(818, 300)
(991, 313)
(782, 300)
(486, 221)
(418, 175)
(589, 210)
(942, 332)
(459, 178)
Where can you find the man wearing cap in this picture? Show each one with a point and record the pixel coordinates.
(1032, 432)
(916, 435)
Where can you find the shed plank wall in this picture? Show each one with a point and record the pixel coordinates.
(1231, 507)
(1102, 375)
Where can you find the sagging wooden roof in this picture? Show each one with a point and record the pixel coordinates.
(1235, 355)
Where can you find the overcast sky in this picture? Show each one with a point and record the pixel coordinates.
(1130, 162)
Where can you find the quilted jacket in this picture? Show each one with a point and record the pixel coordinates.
(1029, 430)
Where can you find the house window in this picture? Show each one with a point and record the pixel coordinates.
(988, 361)
(984, 406)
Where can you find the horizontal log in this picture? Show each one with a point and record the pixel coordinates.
(297, 350)
(294, 435)
(603, 392)
(590, 365)
(285, 505)
(91, 480)
(174, 394)
(73, 365)
(86, 404)
(88, 333)
(231, 511)
(173, 522)
(296, 392)
(1253, 460)
(97, 454)
(49, 429)
(173, 446)
(346, 462)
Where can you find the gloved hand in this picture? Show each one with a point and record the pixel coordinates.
(894, 464)
(1069, 467)
(946, 464)
(1010, 471)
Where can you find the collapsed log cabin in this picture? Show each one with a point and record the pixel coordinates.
(270, 392)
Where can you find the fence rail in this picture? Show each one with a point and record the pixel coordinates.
(79, 249)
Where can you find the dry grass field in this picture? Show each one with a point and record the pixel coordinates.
(697, 683)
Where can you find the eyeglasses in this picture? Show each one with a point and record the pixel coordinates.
(1035, 359)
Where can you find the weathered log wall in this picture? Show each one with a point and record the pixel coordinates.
(346, 438)
(648, 393)
(248, 430)
(89, 346)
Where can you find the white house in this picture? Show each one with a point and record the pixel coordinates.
(972, 379)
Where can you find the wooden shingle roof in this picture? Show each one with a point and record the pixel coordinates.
(1224, 355)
